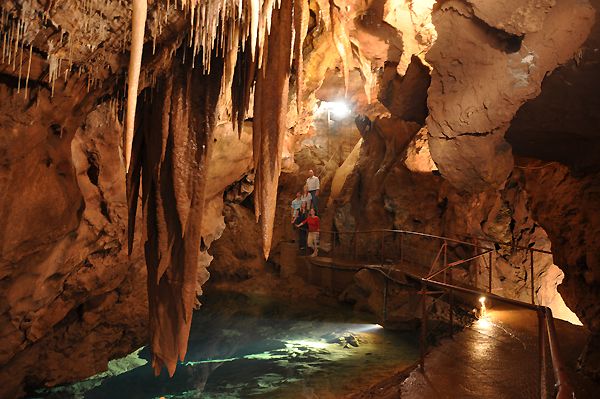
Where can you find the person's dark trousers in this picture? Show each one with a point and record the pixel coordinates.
(302, 237)
(315, 201)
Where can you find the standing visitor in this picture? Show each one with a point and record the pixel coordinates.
(306, 198)
(313, 185)
(314, 226)
(303, 229)
(296, 203)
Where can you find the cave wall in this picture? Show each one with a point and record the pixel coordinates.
(71, 299)
(67, 283)
(472, 99)
(568, 208)
(555, 71)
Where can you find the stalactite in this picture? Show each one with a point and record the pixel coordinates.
(28, 70)
(270, 108)
(171, 152)
(342, 42)
(301, 18)
(369, 78)
(325, 16)
(138, 25)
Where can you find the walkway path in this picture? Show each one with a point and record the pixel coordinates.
(496, 358)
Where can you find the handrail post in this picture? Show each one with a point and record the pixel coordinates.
(423, 326)
(445, 245)
(451, 300)
(382, 247)
(565, 391)
(355, 245)
(490, 272)
(532, 279)
(385, 297)
(542, 352)
(401, 248)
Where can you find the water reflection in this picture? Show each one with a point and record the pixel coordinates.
(254, 347)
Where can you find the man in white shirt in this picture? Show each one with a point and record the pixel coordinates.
(313, 188)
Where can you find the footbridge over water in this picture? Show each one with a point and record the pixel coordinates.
(431, 270)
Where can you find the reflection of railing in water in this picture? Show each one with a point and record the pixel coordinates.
(339, 250)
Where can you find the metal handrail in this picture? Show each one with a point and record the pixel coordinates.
(563, 385)
(458, 262)
(562, 381)
(416, 233)
(565, 390)
(446, 240)
(407, 232)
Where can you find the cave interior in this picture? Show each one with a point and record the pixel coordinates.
(151, 152)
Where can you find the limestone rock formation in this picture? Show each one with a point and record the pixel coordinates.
(473, 99)
(576, 241)
(68, 285)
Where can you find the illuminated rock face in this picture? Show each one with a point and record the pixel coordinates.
(473, 98)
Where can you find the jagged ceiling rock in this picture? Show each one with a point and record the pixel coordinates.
(377, 40)
(406, 96)
(562, 124)
(78, 37)
(412, 19)
(522, 17)
(473, 99)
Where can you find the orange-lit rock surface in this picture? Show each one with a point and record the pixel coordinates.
(473, 98)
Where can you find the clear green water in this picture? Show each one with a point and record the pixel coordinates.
(254, 347)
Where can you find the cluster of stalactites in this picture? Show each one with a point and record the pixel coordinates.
(242, 32)
(17, 46)
(173, 176)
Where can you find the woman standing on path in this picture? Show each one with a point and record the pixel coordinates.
(314, 226)
(303, 229)
(306, 198)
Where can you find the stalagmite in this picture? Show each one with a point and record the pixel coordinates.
(270, 108)
(138, 25)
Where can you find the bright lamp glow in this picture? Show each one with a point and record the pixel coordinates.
(339, 109)
(483, 311)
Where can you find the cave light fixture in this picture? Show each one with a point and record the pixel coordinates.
(338, 109)
(483, 311)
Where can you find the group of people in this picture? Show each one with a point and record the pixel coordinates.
(305, 213)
